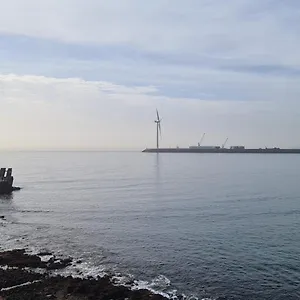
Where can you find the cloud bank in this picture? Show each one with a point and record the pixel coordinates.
(71, 113)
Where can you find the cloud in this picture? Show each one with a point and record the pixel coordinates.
(243, 50)
(241, 28)
(79, 74)
(71, 113)
(45, 112)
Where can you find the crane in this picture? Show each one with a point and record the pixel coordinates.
(223, 146)
(199, 144)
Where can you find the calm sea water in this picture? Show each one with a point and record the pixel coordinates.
(202, 224)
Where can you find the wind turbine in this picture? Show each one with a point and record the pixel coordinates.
(158, 129)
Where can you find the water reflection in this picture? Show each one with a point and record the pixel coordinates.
(6, 204)
(7, 197)
(157, 168)
(157, 175)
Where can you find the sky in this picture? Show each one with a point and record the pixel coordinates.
(79, 74)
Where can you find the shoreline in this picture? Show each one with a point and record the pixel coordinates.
(28, 276)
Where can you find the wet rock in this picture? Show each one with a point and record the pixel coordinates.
(12, 277)
(16, 188)
(54, 264)
(58, 287)
(77, 289)
(18, 258)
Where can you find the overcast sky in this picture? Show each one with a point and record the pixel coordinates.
(78, 74)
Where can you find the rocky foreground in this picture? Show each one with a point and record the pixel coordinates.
(19, 280)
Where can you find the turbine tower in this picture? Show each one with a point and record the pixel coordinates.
(158, 129)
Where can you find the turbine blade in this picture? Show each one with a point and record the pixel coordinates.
(159, 128)
(157, 115)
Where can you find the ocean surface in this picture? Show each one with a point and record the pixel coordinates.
(203, 225)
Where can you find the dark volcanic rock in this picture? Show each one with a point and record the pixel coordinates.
(16, 188)
(54, 264)
(12, 277)
(60, 288)
(20, 259)
(79, 289)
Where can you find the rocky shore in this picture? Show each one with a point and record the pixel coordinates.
(21, 279)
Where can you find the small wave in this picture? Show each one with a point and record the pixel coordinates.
(159, 285)
(33, 211)
(83, 270)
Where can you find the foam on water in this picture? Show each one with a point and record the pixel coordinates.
(82, 270)
(45, 258)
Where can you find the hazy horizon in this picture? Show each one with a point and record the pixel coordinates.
(77, 75)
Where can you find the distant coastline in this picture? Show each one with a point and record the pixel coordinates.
(219, 150)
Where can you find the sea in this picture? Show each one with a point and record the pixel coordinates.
(202, 226)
